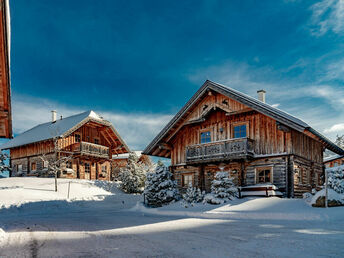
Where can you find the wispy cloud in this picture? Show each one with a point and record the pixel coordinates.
(327, 15)
(136, 129)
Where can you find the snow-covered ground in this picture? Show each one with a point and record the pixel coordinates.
(98, 220)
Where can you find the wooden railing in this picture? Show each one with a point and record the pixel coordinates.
(87, 148)
(221, 150)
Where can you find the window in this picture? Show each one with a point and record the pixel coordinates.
(104, 169)
(77, 137)
(187, 179)
(205, 137)
(20, 168)
(96, 140)
(68, 164)
(264, 175)
(336, 164)
(33, 166)
(87, 168)
(240, 131)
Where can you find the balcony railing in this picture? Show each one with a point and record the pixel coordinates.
(221, 150)
(87, 148)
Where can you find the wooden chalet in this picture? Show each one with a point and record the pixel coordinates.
(334, 161)
(221, 129)
(5, 89)
(87, 138)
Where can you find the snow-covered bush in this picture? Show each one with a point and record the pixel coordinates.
(333, 197)
(3, 166)
(336, 179)
(192, 195)
(133, 176)
(222, 189)
(160, 189)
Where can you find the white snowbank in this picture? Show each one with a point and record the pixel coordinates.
(331, 196)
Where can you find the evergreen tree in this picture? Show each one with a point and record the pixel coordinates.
(192, 195)
(160, 189)
(133, 176)
(336, 179)
(222, 189)
(3, 166)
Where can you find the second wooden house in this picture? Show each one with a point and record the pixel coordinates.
(88, 139)
(221, 129)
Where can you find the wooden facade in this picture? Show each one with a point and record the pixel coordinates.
(335, 161)
(5, 88)
(90, 144)
(216, 130)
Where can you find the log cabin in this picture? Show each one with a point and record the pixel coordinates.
(5, 89)
(334, 161)
(88, 139)
(222, 129)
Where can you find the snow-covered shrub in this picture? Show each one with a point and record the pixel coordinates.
(336, 179)
(222, 189)
(192, 195)
(3, 166)
(160, 189)
(133, 176)
(333, 197)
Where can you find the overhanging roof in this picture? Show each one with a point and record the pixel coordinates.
(266, 109)
(60, 128)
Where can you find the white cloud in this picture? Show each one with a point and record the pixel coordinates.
(327, 15)
(137, 130)
(335, 128)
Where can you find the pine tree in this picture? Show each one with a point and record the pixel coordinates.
(336, 179)
(160, 189)
(222, 189)
(133, 176)
(3, 166)
(192, 195)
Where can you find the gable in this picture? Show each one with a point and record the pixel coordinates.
(238, 102)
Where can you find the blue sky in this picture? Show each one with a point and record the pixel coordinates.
(138, 62)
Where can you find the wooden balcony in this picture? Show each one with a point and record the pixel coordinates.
(91, 149)
(232, 149)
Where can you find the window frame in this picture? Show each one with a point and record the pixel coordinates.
(246, 123)
(89, 167)
(259, 169)
(33, 166)
(80, 136)
(205, 131)
(190, 180)
(96, 139)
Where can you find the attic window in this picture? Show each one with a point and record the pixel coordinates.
(77, 137)
(206, 137)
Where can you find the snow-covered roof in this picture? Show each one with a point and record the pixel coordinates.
(333, 157)
(60, 128)
(126, 155)
(264, 108)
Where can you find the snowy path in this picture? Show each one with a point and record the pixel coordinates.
(110, 228)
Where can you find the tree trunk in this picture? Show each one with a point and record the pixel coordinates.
(55, 182)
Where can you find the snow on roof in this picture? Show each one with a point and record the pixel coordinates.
(50, 130)
(126, 155)
(333, 157)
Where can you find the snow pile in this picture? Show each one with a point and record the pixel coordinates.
(160, 189)
(222, 189)
(336, 178)
(16, 191)
(192, 195)
(133, 176)
(334, 198)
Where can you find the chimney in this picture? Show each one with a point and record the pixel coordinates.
(53, 116)
(261, 95)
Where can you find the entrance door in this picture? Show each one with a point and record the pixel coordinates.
(87, 171)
